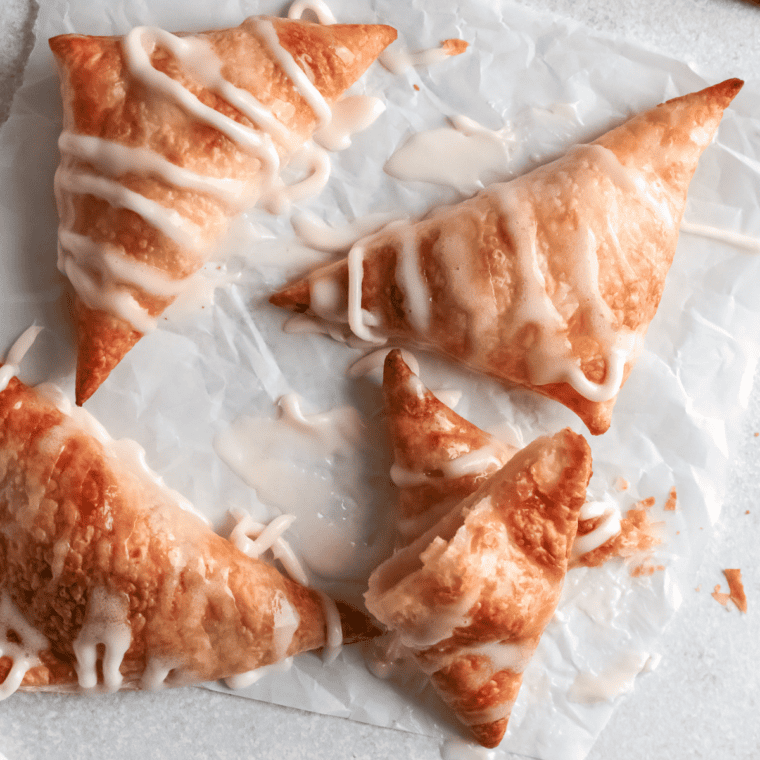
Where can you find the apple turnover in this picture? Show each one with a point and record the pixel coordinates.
(165, 138)
(439, 457)
(108, 580)
(471, 597)
(549, 281)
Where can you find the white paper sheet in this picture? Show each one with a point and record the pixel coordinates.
(675, 421)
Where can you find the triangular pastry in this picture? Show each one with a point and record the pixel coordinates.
(471, 597)
(439, 457)
(165, 138)
(549, 281)
(107, 582)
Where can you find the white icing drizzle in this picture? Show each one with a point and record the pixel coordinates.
(115, 160)
(334, 629)
(550, 358)
(25, 653)
(318, 7)
(242, 680)
(358, 319)
(398, 61)
(16, 355)
(487, 714)
(607, 528)
(411, 279)
(106, 622)
(501, 654)
(316, 234)
(172, 224)
(352, 114)
(138, 46)
(114, 266)
(473, 462)
(724, 236)
(155, 674)
(267, 538)
(299, 78)
(114, 300)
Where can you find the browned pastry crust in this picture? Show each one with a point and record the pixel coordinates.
(426, 436)
(102, 99)
(472, 596)
(509, 277)
(76, 523)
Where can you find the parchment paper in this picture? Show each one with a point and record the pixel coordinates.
(675, 421)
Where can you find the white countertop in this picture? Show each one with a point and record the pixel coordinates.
(704, 698)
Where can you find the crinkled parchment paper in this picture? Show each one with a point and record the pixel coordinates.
(674, 424)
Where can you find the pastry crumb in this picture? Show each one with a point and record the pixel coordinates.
(621, 484)
(638, 534)
(454, 46)
(736, 588)
(698, 588)
(720, 597)
(644, 569)
(672, 503)
(416, 87)
(747, 512)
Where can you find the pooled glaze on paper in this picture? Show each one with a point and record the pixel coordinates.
(312, 466)
(474, 156)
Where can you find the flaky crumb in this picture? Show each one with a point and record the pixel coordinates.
(672, 502)
(637, 535)
(621, 484)
(416, 87)
(454, 46)
(736, 588)
(720, 597)
(645, 569)
(698, 588)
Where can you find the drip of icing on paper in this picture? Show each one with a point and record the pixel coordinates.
(475, 156)
(320, 468)
(398, 61)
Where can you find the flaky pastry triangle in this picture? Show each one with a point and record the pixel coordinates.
(471, 597)
(107, 582)
(165, 138)
(549, 281)
(439, 457)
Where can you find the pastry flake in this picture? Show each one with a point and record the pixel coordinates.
(107, 581)
(167, 137)
(549, 281)
(471, 597)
